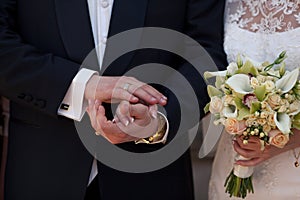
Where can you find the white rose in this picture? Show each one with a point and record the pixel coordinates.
(232, 68)
(269, 85)
(254, 82)
(216, 105)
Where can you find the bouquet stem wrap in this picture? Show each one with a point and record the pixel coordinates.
(239, 181)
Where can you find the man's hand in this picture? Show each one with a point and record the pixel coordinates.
(114, 89)
(140, 124)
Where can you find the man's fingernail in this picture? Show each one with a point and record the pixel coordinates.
(97, 102)
(113, 121)
(164, 97)
(163, 101)
(90, 102)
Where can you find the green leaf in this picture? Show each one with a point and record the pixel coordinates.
(239, 103)
(242, 113)
(255, 106)
(248, 68)
(296, 121)
(239, 61)
(219, 81)
(212, 91)
(260, 92)
(206, 108)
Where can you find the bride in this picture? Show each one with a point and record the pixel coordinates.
(261, 29)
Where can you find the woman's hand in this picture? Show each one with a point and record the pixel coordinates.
(253, 151)
(132, 121)
(256, 154)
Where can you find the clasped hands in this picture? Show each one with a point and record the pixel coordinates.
(136, 115)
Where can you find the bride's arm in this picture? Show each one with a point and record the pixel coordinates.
(256, 156)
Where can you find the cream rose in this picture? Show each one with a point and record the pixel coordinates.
(274, 100)
(269, 86)
(266, 128)
(271, 120)
(233, 126)
(263, 114)
(261, 78)
(216, 105)
(261, 121)
(254, 82)
(278, 139)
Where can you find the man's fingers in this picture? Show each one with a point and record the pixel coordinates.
(143, 91)
(148, 94)
(162, 100)
(120, 94)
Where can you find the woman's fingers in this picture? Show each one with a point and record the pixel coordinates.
(251, 145)
(251, 162)
(244, 152)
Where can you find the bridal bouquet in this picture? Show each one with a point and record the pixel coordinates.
(255, 100)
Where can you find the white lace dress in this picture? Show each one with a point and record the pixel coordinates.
(260, 29)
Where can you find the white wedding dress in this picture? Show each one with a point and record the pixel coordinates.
(261, 30)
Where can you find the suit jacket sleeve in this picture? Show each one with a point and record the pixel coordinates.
(27, 75)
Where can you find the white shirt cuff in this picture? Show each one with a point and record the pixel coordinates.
(74, 105)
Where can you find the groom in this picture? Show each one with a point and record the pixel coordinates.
(42, 44)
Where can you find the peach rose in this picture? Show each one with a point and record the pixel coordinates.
(233, 126)
(216, 105)
(277, 138)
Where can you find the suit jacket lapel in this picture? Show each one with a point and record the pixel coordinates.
(126, 15)
(76, 31)
(75, 28)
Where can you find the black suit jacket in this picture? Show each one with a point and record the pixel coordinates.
(42, 45)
